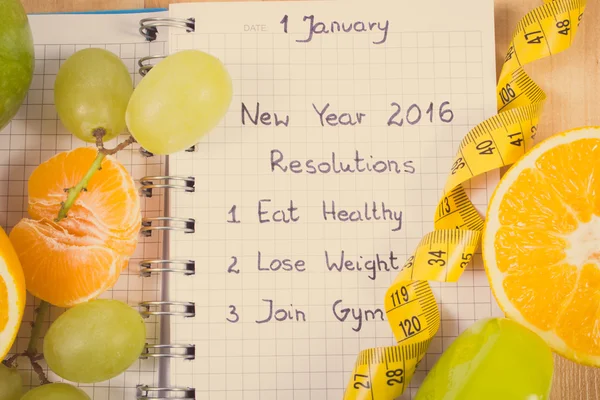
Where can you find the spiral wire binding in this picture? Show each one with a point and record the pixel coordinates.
(145, 392)
(185, 183)
(184, 351)
(187, 225)
(148, 26)
(148, 29)
(186, 309)
(149, 184)
(185, 267)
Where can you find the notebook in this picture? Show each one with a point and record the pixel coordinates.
(267, 247)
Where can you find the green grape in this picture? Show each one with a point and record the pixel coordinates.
(95, 341)
(493, 359)
(181, 99)
(11, 384)
(56, 391)
(91, 91)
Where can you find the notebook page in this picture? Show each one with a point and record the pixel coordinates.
(320, 182)
(36, 134)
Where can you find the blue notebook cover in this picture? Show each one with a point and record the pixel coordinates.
(124, 11)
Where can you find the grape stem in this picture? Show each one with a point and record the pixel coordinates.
(99, 134)
(74, 191)
(31, 352)
(36, 328)
(36, 331)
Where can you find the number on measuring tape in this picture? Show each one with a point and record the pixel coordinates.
(466, 257)
(410, 327)
(396, 299)
(445, 207)
(361, 381)
(563, 26)
(507, 94)
(409, 262)
(499, 141)
(519, 138)
(486, 147)
(535, 40)
(396, 376)
(458, 164)
(437, 260)
(511, 51)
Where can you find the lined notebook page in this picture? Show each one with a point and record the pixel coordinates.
(320, 182)
(36, 134)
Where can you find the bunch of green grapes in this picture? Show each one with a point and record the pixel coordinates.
(180, 100)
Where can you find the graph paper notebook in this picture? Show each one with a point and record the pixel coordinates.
(270, 244)
(36, 134)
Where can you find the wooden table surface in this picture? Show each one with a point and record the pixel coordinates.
(570, 79)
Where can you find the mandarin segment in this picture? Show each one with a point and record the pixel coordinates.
(108, 190)
(577, 187)
(579, 325)
(78, 258)
(527, 248)
(63, 273)
(542, 211)
(538, 293)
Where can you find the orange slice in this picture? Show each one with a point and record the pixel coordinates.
(541, 244)
(12, 294)
(83, 255)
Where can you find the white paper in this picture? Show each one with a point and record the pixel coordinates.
(378, 65)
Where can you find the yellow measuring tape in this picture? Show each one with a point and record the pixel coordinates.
(383, 373)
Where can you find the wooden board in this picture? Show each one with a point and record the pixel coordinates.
(570, 79)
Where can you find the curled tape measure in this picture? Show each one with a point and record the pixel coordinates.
(383, 373)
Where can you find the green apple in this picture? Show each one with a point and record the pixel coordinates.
(16, 58)
(493, 359)
(11, 384)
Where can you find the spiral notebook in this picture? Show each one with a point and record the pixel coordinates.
(267, 247)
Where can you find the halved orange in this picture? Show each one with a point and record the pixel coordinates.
(78, 258)
(541, 243)
(12, 294)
